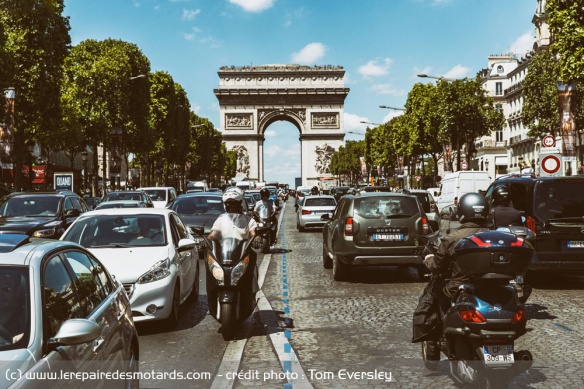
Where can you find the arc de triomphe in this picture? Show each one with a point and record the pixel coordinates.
(310, 97)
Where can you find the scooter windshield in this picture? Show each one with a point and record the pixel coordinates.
(228, 250)
(263, 211)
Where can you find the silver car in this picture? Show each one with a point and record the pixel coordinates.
(61, 312)
(311, 208)
(150, 251)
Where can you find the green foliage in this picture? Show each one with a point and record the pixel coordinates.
(346, 161)
(566, 22)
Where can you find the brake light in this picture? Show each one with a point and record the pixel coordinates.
(425, 226)
(306, 212)
(519, 316)
(518, 242)
(349, 226)
(530, 223)
(480, 242)
(472, 316)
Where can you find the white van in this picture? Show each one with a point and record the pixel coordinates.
(456, 184)
(162, 196)
(244, 185)
(197, 186)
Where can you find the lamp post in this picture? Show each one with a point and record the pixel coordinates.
(355, 132)
(374, 124)
(394, 108)
(84, 160)
(30, 148)
(440, 78)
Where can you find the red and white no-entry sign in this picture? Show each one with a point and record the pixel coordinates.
(464, 166)
(548, 141)
(550, 165)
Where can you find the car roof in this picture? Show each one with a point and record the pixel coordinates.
(199, 194)
(16, 249)
(128, 211)
(42, 193)
(384, 194)
(155, 187)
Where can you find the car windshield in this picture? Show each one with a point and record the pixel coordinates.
(157, 194)
(319, 202)
(559, 199)
(43, 206)
(377, 207)
(114, 196)
(199, 205)
(118, 231)
(14, 308)
(119, 204)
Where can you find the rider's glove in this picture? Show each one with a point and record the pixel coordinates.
(427, 260)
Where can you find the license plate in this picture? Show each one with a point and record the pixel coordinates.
(498, 355)
(388, 237)
(576, 244)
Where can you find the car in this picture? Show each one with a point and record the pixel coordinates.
(340, 191)
(199, 209)
(121, 204)
(61, 312)
(379, 228)
(255, 193)
(250, 199)
(137, 195)
(426, 200)
(311, 209)
(553, 209)
(161, 196)
(40, 214)
(92, 202)
(367, 189)
(301, 191)
(150, 251)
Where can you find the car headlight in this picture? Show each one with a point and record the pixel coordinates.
(44, 233)
(160, 270)
(239, 270)
(216, 270)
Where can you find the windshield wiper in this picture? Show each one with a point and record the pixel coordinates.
(111, 245)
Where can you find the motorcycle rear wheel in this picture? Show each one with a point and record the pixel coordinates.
(430, 355)
(227, 319)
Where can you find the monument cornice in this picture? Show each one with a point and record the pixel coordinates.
(323, 136)
(242, 137)
(281, 96)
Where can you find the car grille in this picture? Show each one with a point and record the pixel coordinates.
(129, 288)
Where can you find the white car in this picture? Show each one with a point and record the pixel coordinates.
(162, 196)
(149, 250)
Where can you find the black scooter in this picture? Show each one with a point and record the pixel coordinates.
(230, 271)
(265, 220)
(486, 314)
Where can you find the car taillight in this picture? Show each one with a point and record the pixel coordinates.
(472, 316)
(519, 316)
(425, 226)
(306, 212)
(530, 223)
(349, 226)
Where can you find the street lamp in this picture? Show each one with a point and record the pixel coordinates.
(422, 75)
(394, 108)
(84, 159)
(374, 124)
(355, 132)
(138, 76)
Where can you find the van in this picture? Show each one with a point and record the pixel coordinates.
(162, 196)
(244, 185)
(458, 183)
(197, 186)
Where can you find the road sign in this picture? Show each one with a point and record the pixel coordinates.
(464, 166)
(548, 141)
(64, 181)
(551, 165)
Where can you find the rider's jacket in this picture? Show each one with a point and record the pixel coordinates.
(264, 208)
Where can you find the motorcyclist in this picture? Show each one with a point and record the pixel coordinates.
(472, 210)
(314, 191)
(233, 222)
(266, 207)
(503, 214)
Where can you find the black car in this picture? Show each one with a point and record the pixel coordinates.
(553, 209)
(40, 214)
(137, 195)
(340, 191)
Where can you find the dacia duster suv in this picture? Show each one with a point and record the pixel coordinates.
(553, 208)
(40, 214)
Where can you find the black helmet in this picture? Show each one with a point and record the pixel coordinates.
(473, 207)
(314, 190)
(501, 195)
(265, 192)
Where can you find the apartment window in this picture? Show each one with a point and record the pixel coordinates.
(499, 107)
(499, 88)
(499, 135)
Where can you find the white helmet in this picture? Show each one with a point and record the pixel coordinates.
(233, 194)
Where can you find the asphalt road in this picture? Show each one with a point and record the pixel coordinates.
(312, 332)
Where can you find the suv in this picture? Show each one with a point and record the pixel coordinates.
(553, 208)
(377, 228)
(427, 201)
(40, 214)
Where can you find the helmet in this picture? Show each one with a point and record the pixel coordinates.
(501, 195)
(314, 190)
(472, 206)
(264, 192)
(233, 196)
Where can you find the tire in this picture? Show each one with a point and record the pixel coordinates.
(227, 319)
(133, 367)
(266, 245)
(172, 319)
(327, 262)
(430, 355)
(340, 270)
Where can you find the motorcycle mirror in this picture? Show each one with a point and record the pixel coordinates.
(197, 230)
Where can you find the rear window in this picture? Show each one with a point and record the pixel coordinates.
(311, 202)
(376, 207)
(559, 199)
(424, 199)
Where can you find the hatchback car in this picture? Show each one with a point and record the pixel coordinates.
(40, 214)
(553, 209)
(311, 209)
(136, 195)
(374, 229)
(161, 196)
(61, 312)
(150, 251)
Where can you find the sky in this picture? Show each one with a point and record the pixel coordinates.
(381, 44)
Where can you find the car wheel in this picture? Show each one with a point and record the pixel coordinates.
(327, 262)
(172, 319)
(132, 382)
(340, 270)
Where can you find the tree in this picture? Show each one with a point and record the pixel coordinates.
(345, 161)
(206, 149)
(566, 22)
(34, 41)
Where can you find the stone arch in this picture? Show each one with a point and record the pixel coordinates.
(251, 98)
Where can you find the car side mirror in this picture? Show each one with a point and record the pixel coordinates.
(72, 212)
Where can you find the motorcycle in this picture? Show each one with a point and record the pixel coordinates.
(486, 315)
(231, 278)
(265, 220)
